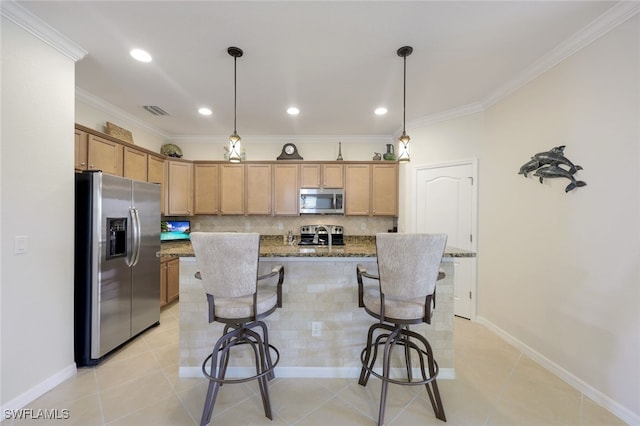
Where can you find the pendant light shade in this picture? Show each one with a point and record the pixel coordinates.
(403, 149)
(234, 139)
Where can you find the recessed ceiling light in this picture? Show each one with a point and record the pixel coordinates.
(380, 111)
(205, 111)
(140, 55)
(293, 111)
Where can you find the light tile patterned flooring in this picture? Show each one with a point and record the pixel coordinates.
(496, 385)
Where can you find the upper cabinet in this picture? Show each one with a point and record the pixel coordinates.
(232, 189)
(316, 175)
(258, 195)
(206, 188)
(81, 150)
(180, 191)
(384, 189)
(285, 190)
(105, 155)
(156, 173)
(357, 191)
(371, 189)
(135, 163)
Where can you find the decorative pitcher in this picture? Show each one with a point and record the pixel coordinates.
(389, 155)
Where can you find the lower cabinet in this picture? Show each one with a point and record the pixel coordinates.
(169, 279)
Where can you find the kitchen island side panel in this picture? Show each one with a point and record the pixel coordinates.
(320, 290)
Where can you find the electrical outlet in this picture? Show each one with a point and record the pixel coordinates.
(197, 227)
(316, 329)
(247, 225)
(363, 226)
(280, 226)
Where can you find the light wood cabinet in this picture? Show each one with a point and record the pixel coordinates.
(135, 164)
(206, 191)
(384, 189)
(285, 191)
(180, 194)
(105, 155)
(156, 173)
(232, 189)
(321, 176)
(371, 189)
(357, 192)
(169, 280)
(81, 150)
(310, 175)
(332, 176)
(258, 200)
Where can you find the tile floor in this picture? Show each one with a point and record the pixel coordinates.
(495, 385)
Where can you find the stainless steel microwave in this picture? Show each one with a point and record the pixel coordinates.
(321, 201)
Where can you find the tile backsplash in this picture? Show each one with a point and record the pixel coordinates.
(279, 225)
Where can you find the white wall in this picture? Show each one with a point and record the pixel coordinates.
(560, 272)
(257, 148)
(443, 142)
(37, 181)
(94, 117)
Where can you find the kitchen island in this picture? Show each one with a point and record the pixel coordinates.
(320, 330)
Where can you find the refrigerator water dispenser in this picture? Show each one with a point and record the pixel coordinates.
(117, 228)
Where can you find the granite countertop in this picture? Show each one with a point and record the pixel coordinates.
(272, 246)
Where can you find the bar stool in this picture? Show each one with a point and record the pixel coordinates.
(228, 268)
(408, 268)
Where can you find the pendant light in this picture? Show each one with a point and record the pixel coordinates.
(234, 139)
(403, 149)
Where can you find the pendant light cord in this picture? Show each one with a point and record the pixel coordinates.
(235, 96)
(404, 100)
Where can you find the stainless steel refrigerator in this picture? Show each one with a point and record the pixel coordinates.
(117, 272)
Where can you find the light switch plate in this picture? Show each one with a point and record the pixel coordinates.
(21, 244)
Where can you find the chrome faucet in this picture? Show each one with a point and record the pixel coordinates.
(326, 228)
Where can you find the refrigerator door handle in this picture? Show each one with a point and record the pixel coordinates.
(136, 236)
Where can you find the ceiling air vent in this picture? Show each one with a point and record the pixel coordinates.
(155, 110)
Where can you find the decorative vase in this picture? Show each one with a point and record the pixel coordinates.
(390, 154)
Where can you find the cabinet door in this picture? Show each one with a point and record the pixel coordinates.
(232, 189)
(81, 149)
(384, 189)
(180, 188)
(163, 283)
(135, 164)
(173, 279)
(156, 174)
(206, 200)
(310, 175)
(357, 190)
(104, 155)
(258, 199)
(332, 176)
(285, 192)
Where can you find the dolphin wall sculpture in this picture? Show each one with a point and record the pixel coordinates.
(549, 164)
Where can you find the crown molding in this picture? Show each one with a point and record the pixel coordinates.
(444, 116)
(606, 22)
(15, 13)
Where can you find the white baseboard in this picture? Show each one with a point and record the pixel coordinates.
(312, 372)
(616, 408)
(38, 390)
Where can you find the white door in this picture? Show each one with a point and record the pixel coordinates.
(445, 202)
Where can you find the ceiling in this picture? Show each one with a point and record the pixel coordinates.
(335, 61)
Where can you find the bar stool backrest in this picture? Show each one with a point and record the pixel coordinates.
(408, 264)
(228, 262)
